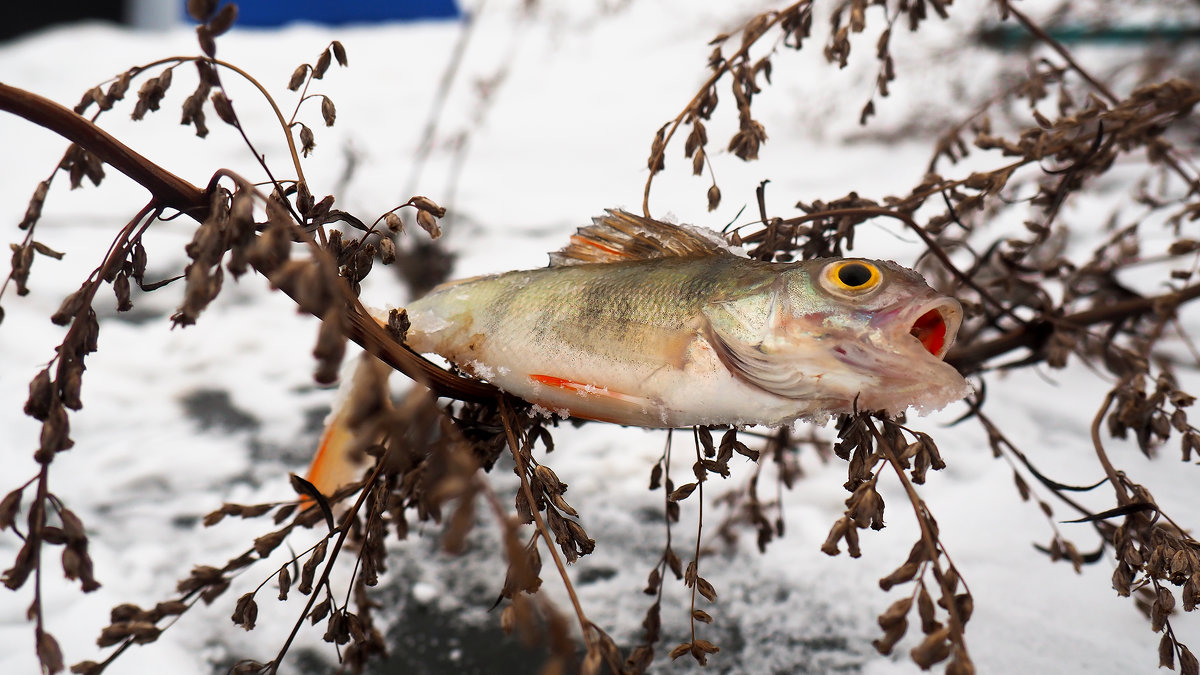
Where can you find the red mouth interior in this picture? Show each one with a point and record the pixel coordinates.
(930, 329)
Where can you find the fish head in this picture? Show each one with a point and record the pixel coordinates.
(837, 335)
(882, 331)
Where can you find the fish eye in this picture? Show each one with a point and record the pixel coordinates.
(854, 276)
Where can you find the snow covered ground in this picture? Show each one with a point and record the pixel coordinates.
(177, 421)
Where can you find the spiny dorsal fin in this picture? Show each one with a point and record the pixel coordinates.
(620, 236)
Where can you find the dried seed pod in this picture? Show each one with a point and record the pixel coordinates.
(656, 161)
(200, 10)
(119, 87)
(696, 140)
(674, 563)
(34, 211)
(387, 250)
(224, 19)
(208, 45)
(46, 250)
(15, 576)
(925, 609)
(121, 289)
(714, 197)
(1188, 665)
(224, 107)
(339, 53)
(307, 141)
(304, 198)
(245, 612)
(55, 434)
(900, 575)
(1166, 653)
(328, 111)
(398, 324)
(895, 613)
(309, 570)
(933, 649)
(322, 64)
(427, 204)
(319, 611)
(49, 653)
(298, 76)
(269, 542)
(394, 222)
(682, 492)
(41, 396)
(9, 507)
(429, 223)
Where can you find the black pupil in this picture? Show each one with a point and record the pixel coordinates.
(854, 274)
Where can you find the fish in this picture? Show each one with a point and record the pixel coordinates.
(644, 323)
(639, 322)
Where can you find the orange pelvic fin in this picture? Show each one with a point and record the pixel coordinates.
(593, 402)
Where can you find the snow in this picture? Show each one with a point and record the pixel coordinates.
(577, 93)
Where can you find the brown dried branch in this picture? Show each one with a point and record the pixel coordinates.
(174, 192)
(585, 625)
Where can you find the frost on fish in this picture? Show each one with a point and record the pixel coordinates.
(644, 323)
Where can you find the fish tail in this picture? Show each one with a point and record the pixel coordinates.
(341, 456)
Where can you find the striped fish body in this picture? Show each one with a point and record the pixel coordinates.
(649, 324)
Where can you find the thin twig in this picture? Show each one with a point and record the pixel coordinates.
(584, 624)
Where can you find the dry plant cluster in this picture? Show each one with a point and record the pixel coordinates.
(1050, 132)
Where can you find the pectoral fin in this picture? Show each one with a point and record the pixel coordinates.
(751, 350)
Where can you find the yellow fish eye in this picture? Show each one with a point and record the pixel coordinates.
(853, 276)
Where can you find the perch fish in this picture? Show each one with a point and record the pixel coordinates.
(644, 323)
(648, 324)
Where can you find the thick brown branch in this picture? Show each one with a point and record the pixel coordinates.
(167, 188)
(969, 358)
(175, 192)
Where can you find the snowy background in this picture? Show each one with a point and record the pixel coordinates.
(177, 421)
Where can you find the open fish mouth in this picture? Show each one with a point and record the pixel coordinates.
(936, 325)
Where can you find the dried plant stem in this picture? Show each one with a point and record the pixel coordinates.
(172, 191)
(291, 142)
(717, 74)
(1037, 31)
(1114, 477)
(343, 531)
(933, 548)
(1057, 488)
(1032, 335)
(37, 521)
(585, 625)
(699, 533)
(283, 125)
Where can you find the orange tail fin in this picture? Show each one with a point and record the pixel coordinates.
(340, 458)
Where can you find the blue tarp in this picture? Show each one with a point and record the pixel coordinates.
(263, 13)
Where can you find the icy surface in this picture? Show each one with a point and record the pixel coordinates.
(177, 421)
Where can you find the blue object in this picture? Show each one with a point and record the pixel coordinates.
(266, 13)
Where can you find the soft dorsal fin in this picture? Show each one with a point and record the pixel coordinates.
(620, 236)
